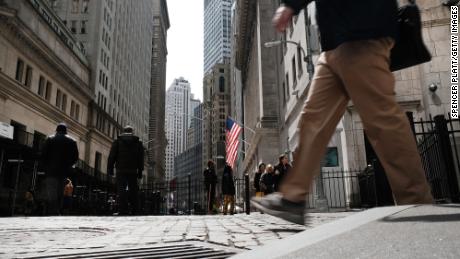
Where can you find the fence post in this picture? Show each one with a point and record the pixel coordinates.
(246, 196)
(189, 185)
(16, 183)
(446, 151)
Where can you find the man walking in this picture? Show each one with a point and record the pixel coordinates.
(228, 189)
(281, 170)
(127, 156)
(58, 155)
(210, 181)
(356, 38)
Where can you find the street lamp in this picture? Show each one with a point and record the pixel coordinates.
(306, 58)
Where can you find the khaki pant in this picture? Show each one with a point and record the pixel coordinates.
(229, 199)
(358, 71)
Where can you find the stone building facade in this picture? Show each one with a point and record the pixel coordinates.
(259, 72)
(216, 101)
(157, 134)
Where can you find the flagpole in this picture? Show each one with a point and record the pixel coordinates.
(253, 131)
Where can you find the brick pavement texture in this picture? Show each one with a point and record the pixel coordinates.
(41, 236)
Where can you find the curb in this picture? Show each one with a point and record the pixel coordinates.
(320, 233)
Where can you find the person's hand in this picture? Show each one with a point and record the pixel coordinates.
(282, 17)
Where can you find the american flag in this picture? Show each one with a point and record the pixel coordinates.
(232, 131)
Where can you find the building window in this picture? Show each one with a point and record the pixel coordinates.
(64, 103)
(284, 93)
(28, 76)
(299, 60)
(331, 159)
(41, 86)
(294, 73)
(222, 84)
(58, 98)
(48, 90)
(19, 70)
(77, 112)
(75, 4)
(97, 162)
(73, 27)
(287, 86)
(85, 6)
(83, 27)
(72, 108)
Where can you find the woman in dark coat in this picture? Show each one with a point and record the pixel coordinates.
(228, 189)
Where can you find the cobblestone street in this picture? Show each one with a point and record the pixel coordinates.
(39, 236)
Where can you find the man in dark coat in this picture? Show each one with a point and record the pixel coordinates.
(59, 154)
(127, 156)
(356, 38)
(281, 170)
(257, 175)
(267, 180)
(210, 181)
(228, 189)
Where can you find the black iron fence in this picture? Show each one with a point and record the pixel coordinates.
(438, 142)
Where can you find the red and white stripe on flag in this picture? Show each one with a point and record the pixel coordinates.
(232, 131)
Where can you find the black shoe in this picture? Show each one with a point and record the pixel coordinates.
(275, 205)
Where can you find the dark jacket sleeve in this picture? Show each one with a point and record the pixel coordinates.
(112, 157)
(74, 153)
(44, 156)
(296, 5)
(140, 165)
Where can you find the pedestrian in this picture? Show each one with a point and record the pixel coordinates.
(228, 189)
(127, 157)
(281, 170)
(267, 180)
(67, 200)
(29, 203)
(59, 154)
(356, 37)
(257, 175)
(210, 181)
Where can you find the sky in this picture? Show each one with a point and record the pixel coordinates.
(185, 44)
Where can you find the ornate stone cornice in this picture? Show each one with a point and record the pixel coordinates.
(31, 46)
(23, 96)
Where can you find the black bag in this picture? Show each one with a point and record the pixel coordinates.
(409, 49)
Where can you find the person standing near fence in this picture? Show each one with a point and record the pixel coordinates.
(281, 170)
(210, 181)
(356, 38)
(59, 154)
(67, 200)
(127, 156)
(228, 189)
(267, 180)
(257, 175)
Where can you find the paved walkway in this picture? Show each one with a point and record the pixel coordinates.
(428, 231)
(41, 236)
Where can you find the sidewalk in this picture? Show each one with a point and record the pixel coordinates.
(42, 236)
(429, 231)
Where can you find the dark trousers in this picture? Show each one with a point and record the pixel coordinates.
(54, 191)
(127, 179)
(210, 195)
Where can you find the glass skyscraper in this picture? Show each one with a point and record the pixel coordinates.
(217, 32)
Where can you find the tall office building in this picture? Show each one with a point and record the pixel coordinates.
(157, 135)
(120, 66)
(217, 33)
(132, 54)
(177, 122)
